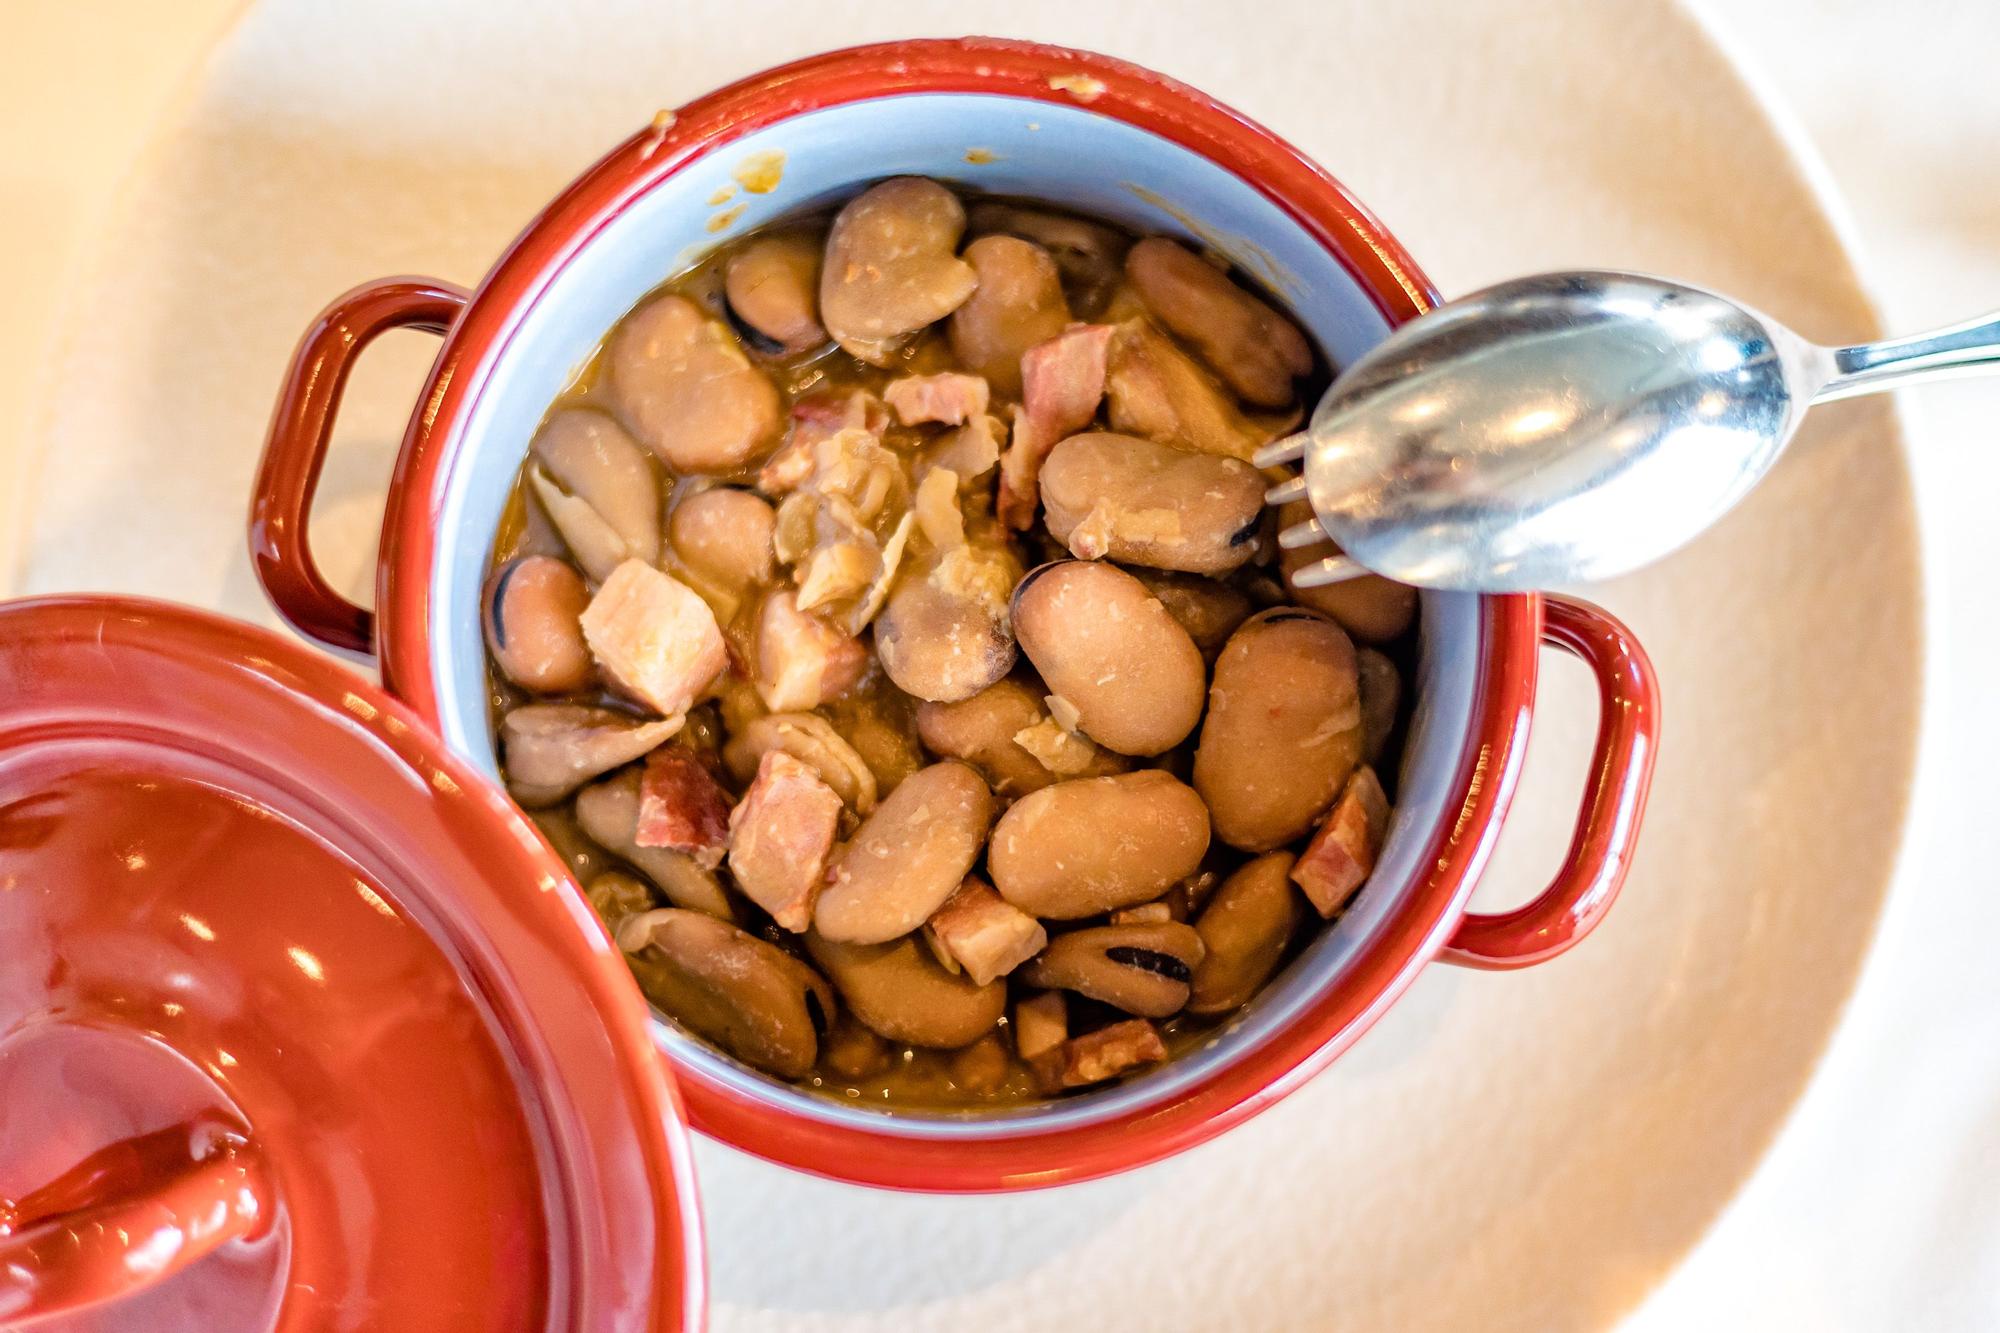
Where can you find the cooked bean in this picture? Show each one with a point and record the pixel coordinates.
(1087, 254)
(982, 1066)
(724, 535)
(688, 391)
(891, 266)
(595, 485)
(944, 634)
(549, 750)
(907, 857)
(1105, 644)
(1091, 845)
(880, 725)
(1018, 303)
(751, 998)
(812, 741)
(1283, 729)
(1256, 350)
(533, 609)
(985, 732)
(1100, 1055)
(608, 814)
(1143, 969)
(1371, 608)
(1157, 391)
(616, 895)
(853, 1051)
(899, 991)
(1381, 696)
(772, 285)
(1245, 929)
(1143, 503)
(1209, 611)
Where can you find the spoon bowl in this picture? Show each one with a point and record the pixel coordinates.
(1565, 428)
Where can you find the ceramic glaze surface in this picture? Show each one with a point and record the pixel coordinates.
(242, 895)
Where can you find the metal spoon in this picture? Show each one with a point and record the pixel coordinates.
(1568, 427)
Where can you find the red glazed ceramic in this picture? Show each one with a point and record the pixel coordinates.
(299, 1026)
(1103, 137)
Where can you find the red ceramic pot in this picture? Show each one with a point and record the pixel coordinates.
(1103, 137)
(299, 1027)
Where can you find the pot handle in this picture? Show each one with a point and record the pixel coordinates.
(1621, 773)
(126, 1217)
(295, 449)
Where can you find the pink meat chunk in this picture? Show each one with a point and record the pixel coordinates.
(1100, 1055)
(818, 417)
(1062, 382)
(780, 835)
(655, 638)
(801, 660)
(683, 807)
(952, 397)
(983, 932)
(1342, 852)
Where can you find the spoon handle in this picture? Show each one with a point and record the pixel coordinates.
(1970, 348)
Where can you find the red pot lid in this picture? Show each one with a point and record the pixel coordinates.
(301, 1024)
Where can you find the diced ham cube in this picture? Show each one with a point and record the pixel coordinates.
(801, 660)
(952, 397)
(655, 638)
(1041, 1023)
(1342, 853)
(1062, 383)
(1100, 1055)
(780, 835)
(683, 807)
(983, 932)
(815, 418)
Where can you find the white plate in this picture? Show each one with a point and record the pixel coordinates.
(1531, 1149)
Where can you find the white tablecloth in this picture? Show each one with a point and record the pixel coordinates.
(1875, 1210)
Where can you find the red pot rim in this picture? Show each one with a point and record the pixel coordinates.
(1487, 765)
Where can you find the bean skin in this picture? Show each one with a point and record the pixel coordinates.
(1131, 500)
(1105, 644)
(1144, 969)
(533, 623)
(1209, 611)
(906, 858)
(1256, 350)
(595, 485)
(1019, 302)
(549, 750)
(891, 266)
(1093, 845)
(898, 990)
(608, 814)
(983, 731)
(1283, 729)
(759, 1003)
(944, 635)
(725, 535)
(1245, 928)
(1381, 696)
(688, 391)
(616, 895)
(772, 285)
(1371, 608)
